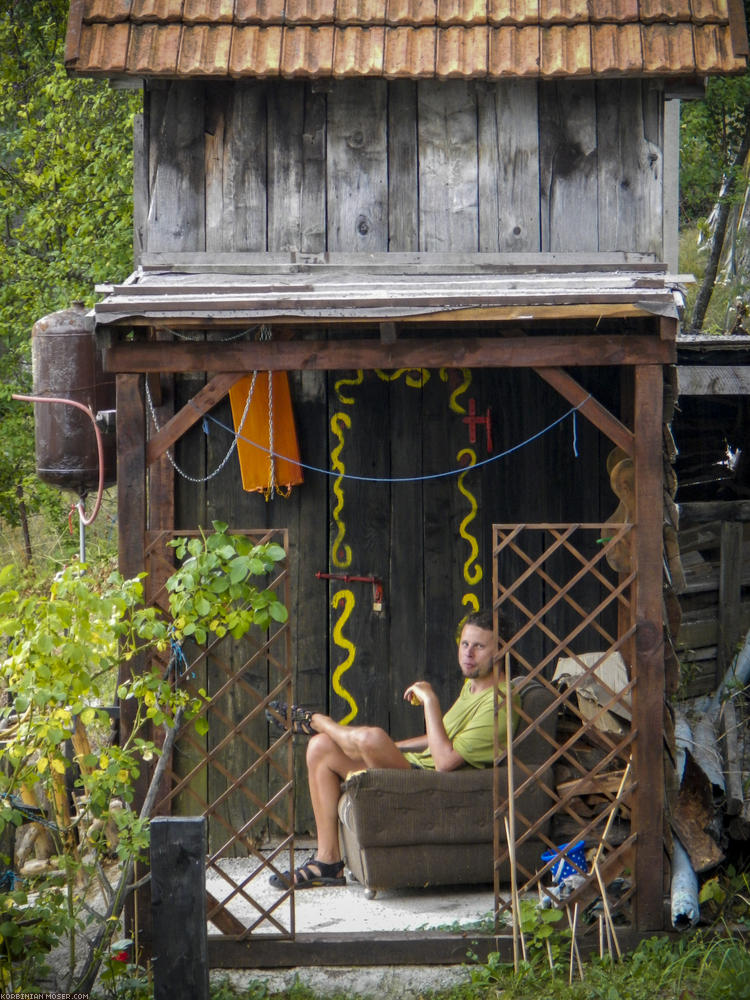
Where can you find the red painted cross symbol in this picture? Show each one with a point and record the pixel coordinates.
(474, 421)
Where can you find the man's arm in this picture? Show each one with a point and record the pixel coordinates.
(413, 743)
(436, 739)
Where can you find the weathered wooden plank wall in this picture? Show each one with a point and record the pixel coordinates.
(426, 539)
(372, 166)
(431, 166)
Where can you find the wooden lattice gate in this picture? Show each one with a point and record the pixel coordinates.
(232, 773)
(553, 584)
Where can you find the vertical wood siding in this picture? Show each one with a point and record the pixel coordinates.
(370, 165)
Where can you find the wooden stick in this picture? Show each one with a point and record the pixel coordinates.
(515, 915)
(611, 816)
(607, 911)
(574, 943)
(510, 819)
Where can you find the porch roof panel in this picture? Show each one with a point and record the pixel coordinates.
(230, 290)
(208, 38)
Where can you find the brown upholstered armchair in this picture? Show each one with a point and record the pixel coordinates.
(418, 828)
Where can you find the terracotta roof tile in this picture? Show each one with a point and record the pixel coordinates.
(617, 11)
(107, 11)
(157, 10)
(358, 52)
(461, 52)
(410, 12)
(363, 13)
(461, 12)
(204, 50)
(208, 12)
(256, 47)
(563, 11)
(668, 47)
(616, 47)
(106, 47)
(566, 51)
(309, 12)
(516, 12)
(259, 12)
(406, 38)
(154, 47)
(714, 51)
(410, 52)
(705, 11)
(307, 51)
(665, 10)
(514, 52)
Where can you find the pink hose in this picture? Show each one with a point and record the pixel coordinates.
(99, 447)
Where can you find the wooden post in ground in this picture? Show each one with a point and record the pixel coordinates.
(648, 694)
(178, 907)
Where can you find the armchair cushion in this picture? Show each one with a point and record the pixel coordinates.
(411, 828)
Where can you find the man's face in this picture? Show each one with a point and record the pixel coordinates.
(475, 650)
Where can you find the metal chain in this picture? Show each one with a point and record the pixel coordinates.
(232, 446)
(199, 337)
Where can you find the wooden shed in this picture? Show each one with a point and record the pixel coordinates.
(451, 224)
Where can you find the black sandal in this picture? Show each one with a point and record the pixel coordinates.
(299, 718)
(307, 877)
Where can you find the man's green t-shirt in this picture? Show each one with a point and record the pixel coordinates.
(469, 724)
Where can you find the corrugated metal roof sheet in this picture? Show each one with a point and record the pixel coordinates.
(405, 38)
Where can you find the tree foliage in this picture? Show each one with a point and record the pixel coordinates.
(66, 215)
(711, 132)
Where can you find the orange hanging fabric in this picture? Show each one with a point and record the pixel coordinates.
(269, 424)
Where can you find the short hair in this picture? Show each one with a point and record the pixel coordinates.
(483, 619)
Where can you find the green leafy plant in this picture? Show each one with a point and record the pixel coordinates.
(63, 647)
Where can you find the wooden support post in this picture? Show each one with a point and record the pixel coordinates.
(648, 693)
(178, 907)
(730, 582)
(131, 519)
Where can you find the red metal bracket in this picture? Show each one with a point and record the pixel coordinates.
(474, 421)
(377, 585)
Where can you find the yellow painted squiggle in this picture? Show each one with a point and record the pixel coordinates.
(357, 380)
(348, 598)
(453, 402)
(472, 573)
(341, 555)
(470, 601)
(420, 377)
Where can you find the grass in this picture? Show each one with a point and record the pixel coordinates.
(699, 966)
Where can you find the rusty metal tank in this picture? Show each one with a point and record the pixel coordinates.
(67, 364)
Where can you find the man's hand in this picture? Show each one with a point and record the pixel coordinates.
(419, 693)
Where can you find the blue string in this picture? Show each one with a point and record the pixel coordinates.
(405, 479)
(177, 659)
(575, 436)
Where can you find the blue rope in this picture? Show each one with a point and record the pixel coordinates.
(9, 880)
(178, 663)
(408, 479)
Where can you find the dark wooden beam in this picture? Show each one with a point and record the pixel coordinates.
(379, 948)
(178, 907)
(704, 511)
(181, 422)
(648, 693)
(589, 407)
(322, 355)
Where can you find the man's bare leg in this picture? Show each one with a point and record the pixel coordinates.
(331, 755)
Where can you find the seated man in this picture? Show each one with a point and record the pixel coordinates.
(462, 737)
